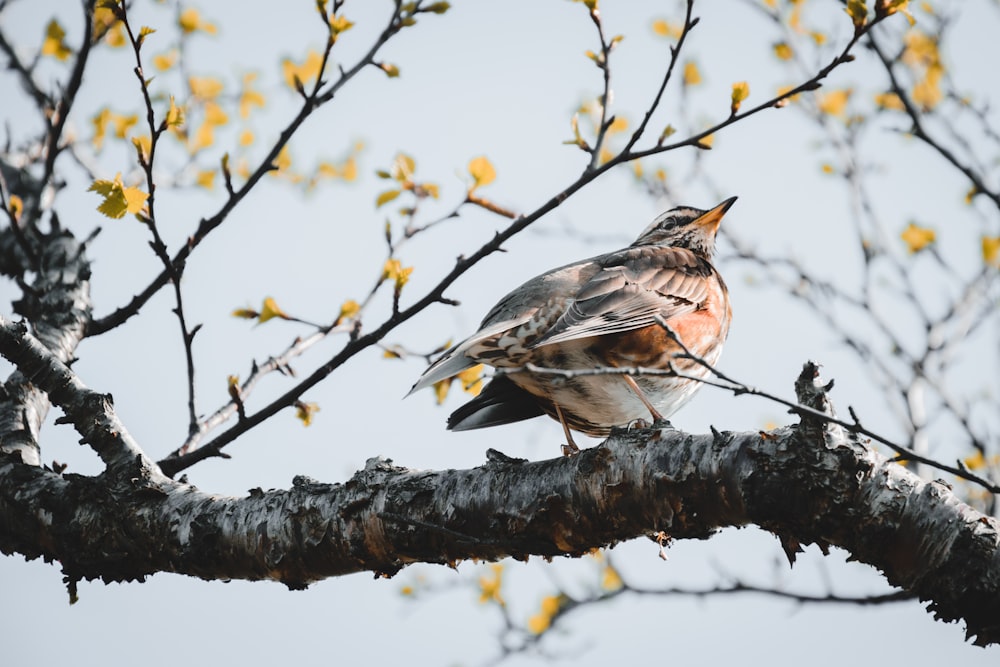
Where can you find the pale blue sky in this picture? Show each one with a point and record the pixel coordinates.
(502, 80)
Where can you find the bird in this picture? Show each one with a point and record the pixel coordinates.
(557, 339)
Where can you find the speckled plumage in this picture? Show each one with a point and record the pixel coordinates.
(597, 313)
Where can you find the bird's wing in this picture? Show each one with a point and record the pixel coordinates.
(462, 356)
(632, 288)
(488, 345)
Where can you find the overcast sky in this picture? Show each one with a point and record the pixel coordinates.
(501, 80)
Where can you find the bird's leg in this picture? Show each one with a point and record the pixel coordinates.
(657, 417)
(570, 448)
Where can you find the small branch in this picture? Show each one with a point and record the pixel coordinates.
(42, 101)
(920, 132)
(174, 271)
(602, 62)
(675, 51)
(60, 113)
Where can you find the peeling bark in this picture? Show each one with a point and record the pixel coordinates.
(805, 483)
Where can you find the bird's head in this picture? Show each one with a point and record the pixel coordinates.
(686, 227)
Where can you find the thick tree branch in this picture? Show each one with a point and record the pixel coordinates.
(810, 483)
(57, 303)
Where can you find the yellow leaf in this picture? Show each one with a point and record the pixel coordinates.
(917, 238)
(118, 199)
(783, 51)
(250, 99)
(100, 123)
(920, 49)
(741, 90)
(55, 42)
(666, 29)
(214, 115)
(386, 197)
(619, 124)
(305, 73)
(975, 462)
(427, 190)
(115, 37)
(890, 7)
(269, 310)
(551, 604)
(305, 412)
(834, 103)
(692, 76)
(489, 586)
(437, 7)
(205, 178)
(395, 271)
(349, 170)
(539, 623)
(205, 87)
(827, 168)
(284, 159)
(243, 168)
(818, 38)
(203, 138)
(403, 167)
(246, 138)
(175, 114)
(245, 313)
(144, 32)
(441, 390)
(339, 24)
(15, 205)
(164, 61)
(471, 379)
(542, 621)
(390, 70)
(348, 310)
(610, 579)
(858, 12)
(190, 21)
(482, 172)
(889, 101)
(991, 250)
(327, 170)
(143, 145)
(123, 123)
(106, 24)
(927, 92)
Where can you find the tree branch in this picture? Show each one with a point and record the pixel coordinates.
(808, 483)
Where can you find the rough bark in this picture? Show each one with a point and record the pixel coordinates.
(806, 483)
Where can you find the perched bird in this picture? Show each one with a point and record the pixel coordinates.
(626, 309)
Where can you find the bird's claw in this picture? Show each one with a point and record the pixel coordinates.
(570, 450)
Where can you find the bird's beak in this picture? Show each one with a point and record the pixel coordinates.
(711, 219)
